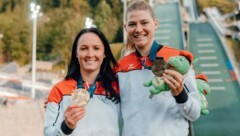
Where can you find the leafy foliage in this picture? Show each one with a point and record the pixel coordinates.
(56, 28)
(225, 6)
(104, 16)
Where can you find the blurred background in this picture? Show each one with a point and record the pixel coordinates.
(35, 46)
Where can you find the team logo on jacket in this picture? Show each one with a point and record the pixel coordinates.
(130, 67)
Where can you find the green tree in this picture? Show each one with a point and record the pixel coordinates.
(15, 43)
(58, 34)
(93, 3)
(225, 6)
(56, 28)
(106, 20)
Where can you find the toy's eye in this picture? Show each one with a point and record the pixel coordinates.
(182, 59)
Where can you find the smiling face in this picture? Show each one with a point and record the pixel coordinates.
(140, 27)
(90, 52)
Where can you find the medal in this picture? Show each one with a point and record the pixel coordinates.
(80, 97)
(158, 66)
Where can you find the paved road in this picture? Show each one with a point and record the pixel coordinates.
(224, 104)
(169, 30)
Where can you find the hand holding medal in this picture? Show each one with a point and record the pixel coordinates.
(80, 97)
(158, 66)
(171, 79)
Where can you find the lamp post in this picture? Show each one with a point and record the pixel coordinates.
(89, 23)
(1, 56)
(35, 11)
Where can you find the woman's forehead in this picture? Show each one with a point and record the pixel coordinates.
(139, 14)
(90, 39)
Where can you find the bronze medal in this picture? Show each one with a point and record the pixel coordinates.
(80, 97)
(158, 66)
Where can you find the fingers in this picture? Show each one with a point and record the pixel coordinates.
(45, 104)
(174, 80)
(73, 114)
(175, 75)
(172, 83)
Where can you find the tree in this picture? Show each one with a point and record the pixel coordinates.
(93, 3)
(56, 28)
(15, 44)
(58, 34)
(106, 20)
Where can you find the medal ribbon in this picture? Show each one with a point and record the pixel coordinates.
(152, 56)
(91, 89)
(154, 49)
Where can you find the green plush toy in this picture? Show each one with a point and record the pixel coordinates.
(203, 89)
(177, 63)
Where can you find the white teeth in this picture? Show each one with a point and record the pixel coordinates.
(90, 60)
(139, 36)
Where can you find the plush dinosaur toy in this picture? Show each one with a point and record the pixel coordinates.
(203, 89)
(178, 63)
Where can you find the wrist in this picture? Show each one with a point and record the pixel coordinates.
(66, 129)
(182, 97)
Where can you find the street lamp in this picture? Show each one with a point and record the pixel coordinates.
(89, 23)
(1, 58)
(35, 11)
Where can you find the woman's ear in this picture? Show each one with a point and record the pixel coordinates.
(156, 23)
(124, 27)
(76, 54)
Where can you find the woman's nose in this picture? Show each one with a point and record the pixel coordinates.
(139, 28)
(90, 53)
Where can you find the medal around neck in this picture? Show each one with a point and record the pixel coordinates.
(158, 66)
(80, 97)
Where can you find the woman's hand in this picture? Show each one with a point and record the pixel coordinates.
(73, 114)
(45, 104)
(174, 80)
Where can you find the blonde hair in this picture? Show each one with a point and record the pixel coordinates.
(139, 5)
(133, 6)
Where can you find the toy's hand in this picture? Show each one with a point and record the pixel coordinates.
(154, 91)
(204, 112)
(148, 83)
(45, 104)
(174, 80)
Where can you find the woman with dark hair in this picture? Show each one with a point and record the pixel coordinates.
(90, 69)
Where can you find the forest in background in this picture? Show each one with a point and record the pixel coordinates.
(60, 22)
(225, 6)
